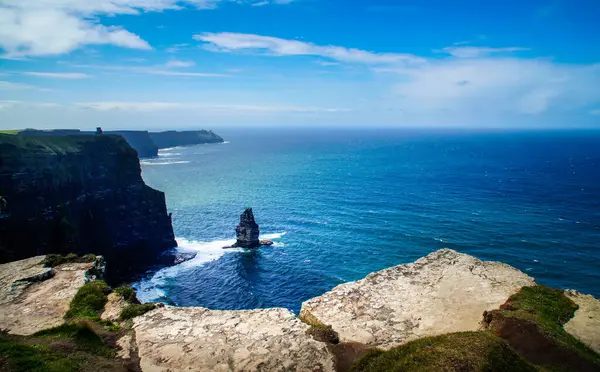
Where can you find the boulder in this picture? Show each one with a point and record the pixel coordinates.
(443, 292)
(199, 339)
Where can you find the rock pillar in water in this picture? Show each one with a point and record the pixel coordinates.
(247, 231)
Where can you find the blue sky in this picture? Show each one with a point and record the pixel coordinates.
(162, 64)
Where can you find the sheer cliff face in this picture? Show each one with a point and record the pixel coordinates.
(81, 194)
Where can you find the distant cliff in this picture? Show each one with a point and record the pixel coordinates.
(80, 194)
(146, 144)
(172, 138)
(138, 139)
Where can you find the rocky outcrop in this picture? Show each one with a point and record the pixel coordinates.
(181, 339)
(185, 138)
(34, 297)
(80, 194)
(443, 292)
(585, 324)
(247, 232)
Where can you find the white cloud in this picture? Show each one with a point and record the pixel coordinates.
(151, 70)
(179, 64)
(162, 106)
(496, 86)
(228, 42)
(7, 85)
(57, 75)
(474, 52)
(53, 27)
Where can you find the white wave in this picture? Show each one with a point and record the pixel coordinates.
(149, 289)
(149, 162)
(170, 149)
(224, 143)
(168, 154)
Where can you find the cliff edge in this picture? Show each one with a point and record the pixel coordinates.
(80, 194)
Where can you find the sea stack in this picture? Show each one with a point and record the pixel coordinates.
(247, 232)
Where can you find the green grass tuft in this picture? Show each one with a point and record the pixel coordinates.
(127, 293)
(89, 301)
(465, 351)
(134, 310)
(53, 260)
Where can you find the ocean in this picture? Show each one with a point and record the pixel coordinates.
(340, 204)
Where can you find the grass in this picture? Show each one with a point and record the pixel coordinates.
(81, 334)
(134, 310)
(53, 260)
(127, 293)
(89, 301)
(10, 131)
(22, 357)
(550, 309)
(465, 351)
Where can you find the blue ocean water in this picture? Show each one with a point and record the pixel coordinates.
(342, 203)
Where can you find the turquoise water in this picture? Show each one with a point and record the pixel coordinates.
(341, 204)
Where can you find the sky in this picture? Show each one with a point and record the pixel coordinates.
(175, 64)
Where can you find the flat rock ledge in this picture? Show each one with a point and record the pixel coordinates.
(585, 324)
(198, 339)
(443, 292)
(33, 297)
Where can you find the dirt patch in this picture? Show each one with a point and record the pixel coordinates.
(346, 353)
(528, 340)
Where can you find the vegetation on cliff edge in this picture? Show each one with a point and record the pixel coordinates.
(89, 301)
(53, 260)
(465, 351)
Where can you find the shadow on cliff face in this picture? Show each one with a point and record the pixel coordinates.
(81, 194)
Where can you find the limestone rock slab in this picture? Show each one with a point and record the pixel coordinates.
(33, 298)
(197, 339)
(585, 324)
(443, 292)
(114, 305)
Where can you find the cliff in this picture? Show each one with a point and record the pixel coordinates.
(172, 138)
(80, 194)
(138, 139)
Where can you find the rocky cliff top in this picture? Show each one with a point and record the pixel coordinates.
(34, 297)
(443, 292)
(447, 311)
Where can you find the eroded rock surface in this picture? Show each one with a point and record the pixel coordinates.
(113, 307)
(585, 324)
(33, 298)
(198, 339)
(443, 292)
